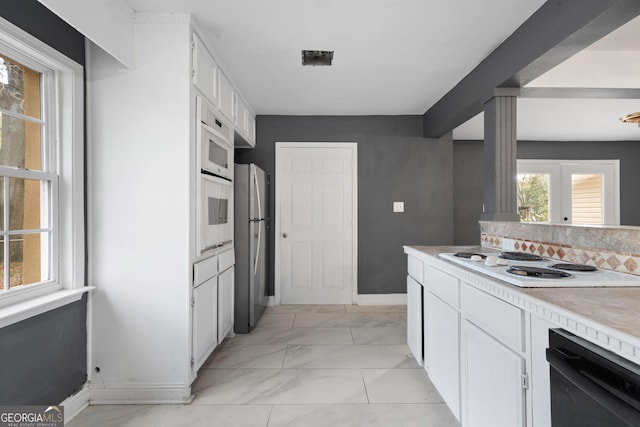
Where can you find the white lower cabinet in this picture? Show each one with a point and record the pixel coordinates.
(414, 319)
(476, 347)
(491, 381)
(442, 349)
(205, 321)
(540, 382)
(226, 292)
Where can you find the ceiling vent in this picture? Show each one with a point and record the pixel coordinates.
(317, 57)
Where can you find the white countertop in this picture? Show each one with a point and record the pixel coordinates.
(615, 309)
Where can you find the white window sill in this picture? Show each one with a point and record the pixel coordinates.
(24, 310)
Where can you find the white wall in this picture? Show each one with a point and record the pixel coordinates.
(139, 186)
(107, 23)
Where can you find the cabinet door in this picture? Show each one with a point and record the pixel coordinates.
(442, 349)
(225, 303)
(251, 128)
(226, 96)
(491, 381)
(414, 319)
(204, 71)
(205, 320)
(240, 115)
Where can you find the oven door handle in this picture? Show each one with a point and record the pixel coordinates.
(621, 409)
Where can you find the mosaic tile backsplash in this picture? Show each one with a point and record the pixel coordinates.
(608, 248)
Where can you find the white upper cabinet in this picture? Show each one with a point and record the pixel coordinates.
(251, 127)
(211, 81)
(205, 71)
(245, 123)
(226, 97)
(241, 115)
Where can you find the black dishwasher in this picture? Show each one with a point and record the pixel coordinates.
(591, 386)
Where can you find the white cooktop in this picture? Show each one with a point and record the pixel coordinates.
(598, 278)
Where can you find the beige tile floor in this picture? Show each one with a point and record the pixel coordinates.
(303, 365)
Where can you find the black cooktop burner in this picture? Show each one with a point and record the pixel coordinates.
(574, 267)
(468, 255)
(543, 273)
(521, 256)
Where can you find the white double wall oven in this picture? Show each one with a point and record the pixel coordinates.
(215, 188)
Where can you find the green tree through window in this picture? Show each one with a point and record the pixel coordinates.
(533, 197)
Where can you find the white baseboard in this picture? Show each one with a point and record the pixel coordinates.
(76, 403)
(140, 394)
(271, 301)
(382, 299)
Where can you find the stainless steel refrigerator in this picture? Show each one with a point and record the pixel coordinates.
(251, 229)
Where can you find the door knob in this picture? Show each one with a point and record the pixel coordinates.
(285, 235)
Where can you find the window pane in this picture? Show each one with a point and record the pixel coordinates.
(25, 266)
(2, 203)
(20, 143)
(533, 197)
(20, 140)
(16, 245)
(586, 198)
(19, 88)
(24, 204)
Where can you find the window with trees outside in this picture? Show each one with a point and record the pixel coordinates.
(25, 181)
(41, 176)
(569, 191)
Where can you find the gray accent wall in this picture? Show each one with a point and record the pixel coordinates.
(468, 171)
(468, 191)
(43, 359)
(395, 164)
(40, 22)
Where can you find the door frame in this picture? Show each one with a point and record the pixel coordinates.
(354, 220)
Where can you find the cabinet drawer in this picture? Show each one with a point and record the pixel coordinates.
(415, 267)
(444, 285)
(225, 260)
(500, 319)
(205, 270)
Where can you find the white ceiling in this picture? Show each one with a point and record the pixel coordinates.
(391, 57)
(400, 57)
(612, 62)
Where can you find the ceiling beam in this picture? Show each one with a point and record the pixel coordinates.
(554, 33)
(579, 93)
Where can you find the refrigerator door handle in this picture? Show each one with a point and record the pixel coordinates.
(257, 190)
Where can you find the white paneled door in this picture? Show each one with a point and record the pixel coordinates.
(316, 216)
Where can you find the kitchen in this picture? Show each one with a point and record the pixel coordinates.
(395, 159)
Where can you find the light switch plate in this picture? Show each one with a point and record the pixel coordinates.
(398, 206)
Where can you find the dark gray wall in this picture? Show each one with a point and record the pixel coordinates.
(468, 170)
(394, 164)
(40, 22)
(43, 360)
(468, 191)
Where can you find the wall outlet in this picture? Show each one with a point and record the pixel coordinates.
(398, 206)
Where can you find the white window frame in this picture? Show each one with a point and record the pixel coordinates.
(64, 103)
(560, 172)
